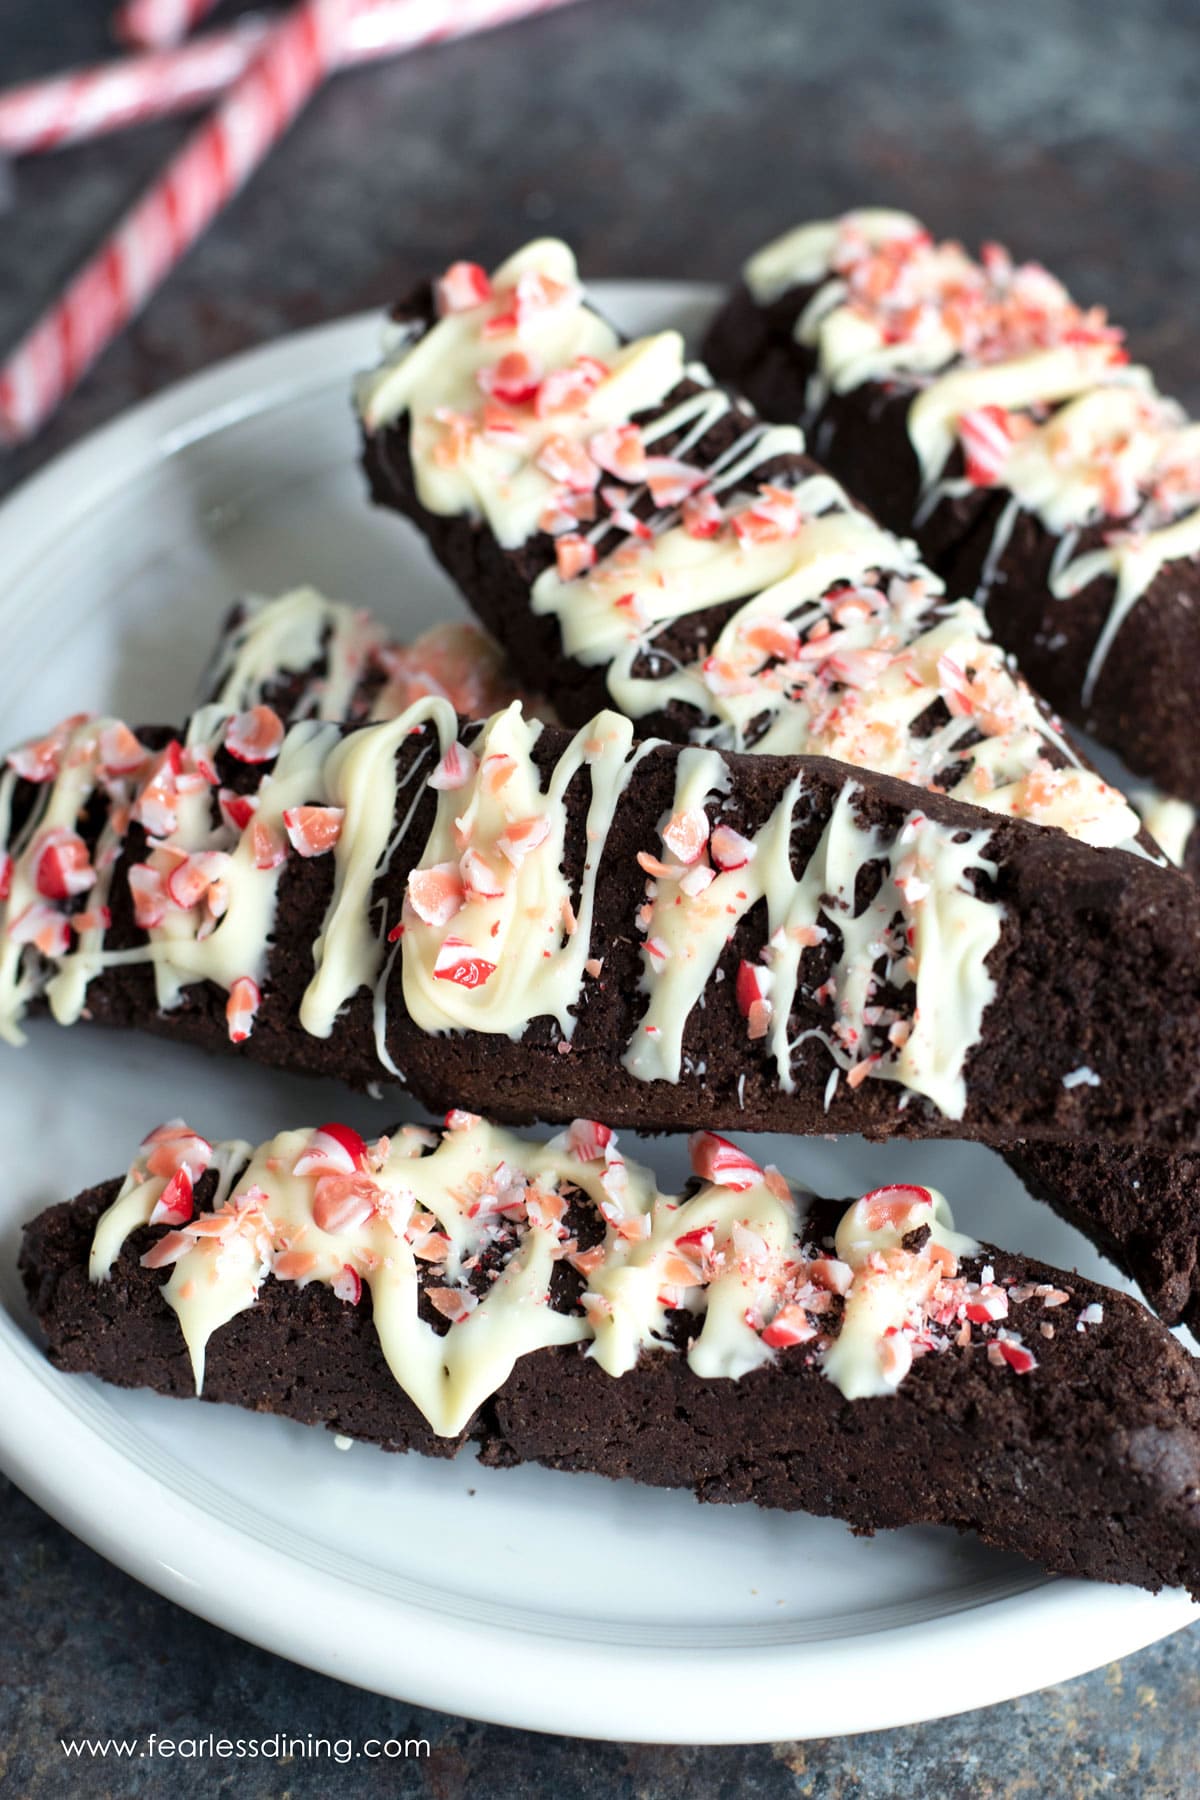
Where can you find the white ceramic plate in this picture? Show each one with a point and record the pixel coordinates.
(565, 1603)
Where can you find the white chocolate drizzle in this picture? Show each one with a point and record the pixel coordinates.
(891, 1285)
(360, 778)
(989, 350)
(713, 537)
(926, 928)
(493, 935)
(469, 458)
(471, 1225)
(1169, 821)
(347, 667)
(290, 635)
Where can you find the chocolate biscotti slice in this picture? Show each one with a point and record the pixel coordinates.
(511, 916)
(300, 653)
(977, 405)
(550, 1304)
(1140, 1206)
(309, 657)
(632, 532)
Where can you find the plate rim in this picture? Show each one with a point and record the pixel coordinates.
(774, 1692)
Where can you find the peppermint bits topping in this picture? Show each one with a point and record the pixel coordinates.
(245, 998)
(463, 287)
(255, 736)
(456, 961)
(336, 1149)
(313, 830)
(62, 866)
(715, 1159)
(986, 436)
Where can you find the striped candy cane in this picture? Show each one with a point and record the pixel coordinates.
(86, 103)
(286, 62)
(214, 163)
(157, 24)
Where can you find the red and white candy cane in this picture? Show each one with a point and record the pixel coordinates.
(131, 90)
(86, 103)
(157, 24)
(214, 163)
(289, 62)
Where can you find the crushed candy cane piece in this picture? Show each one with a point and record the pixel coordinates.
(62, 867)
(175, 1146)
(562, 459)
(463, 286)
(436, 895)
(332, 1147)
(730, 850)
(344, 1202)
(347, 1285)
(313, 830)
(702, 515)
(237, 810)
(457, 962)
(455, 770)
(514, 378)
(175, 1205)
(986, 438)
(521, 837)
(574, 555)
(255, 736)
(149, 894)
(245, 998)
(686, 834)
(715, 1159)
(589, 1141)
(120, 751)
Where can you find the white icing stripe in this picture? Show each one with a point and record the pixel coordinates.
(360, 777)
(29, 916)
(872, 1354)
(236, 947)
(488, 460)
(300, 631)
(805, 254)
(288, 636)
(1169, 821)
(473, 1225)
(493, 937)
(925, 926)
(807, 668)
(1134, 562)
(1042, 378)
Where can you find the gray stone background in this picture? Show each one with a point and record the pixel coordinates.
(664, 137)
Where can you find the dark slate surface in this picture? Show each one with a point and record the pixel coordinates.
(665, 137)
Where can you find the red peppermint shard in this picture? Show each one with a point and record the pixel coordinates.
(458, 962)
(314, 830)
(176, 1146)
(336, 1148)
(245, 998)
(588, 1140)
(175, 1205)
(464, 286)
(255, 736)
(986, 438)
(715, 1159)
(62, 867)
(347, 1285)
